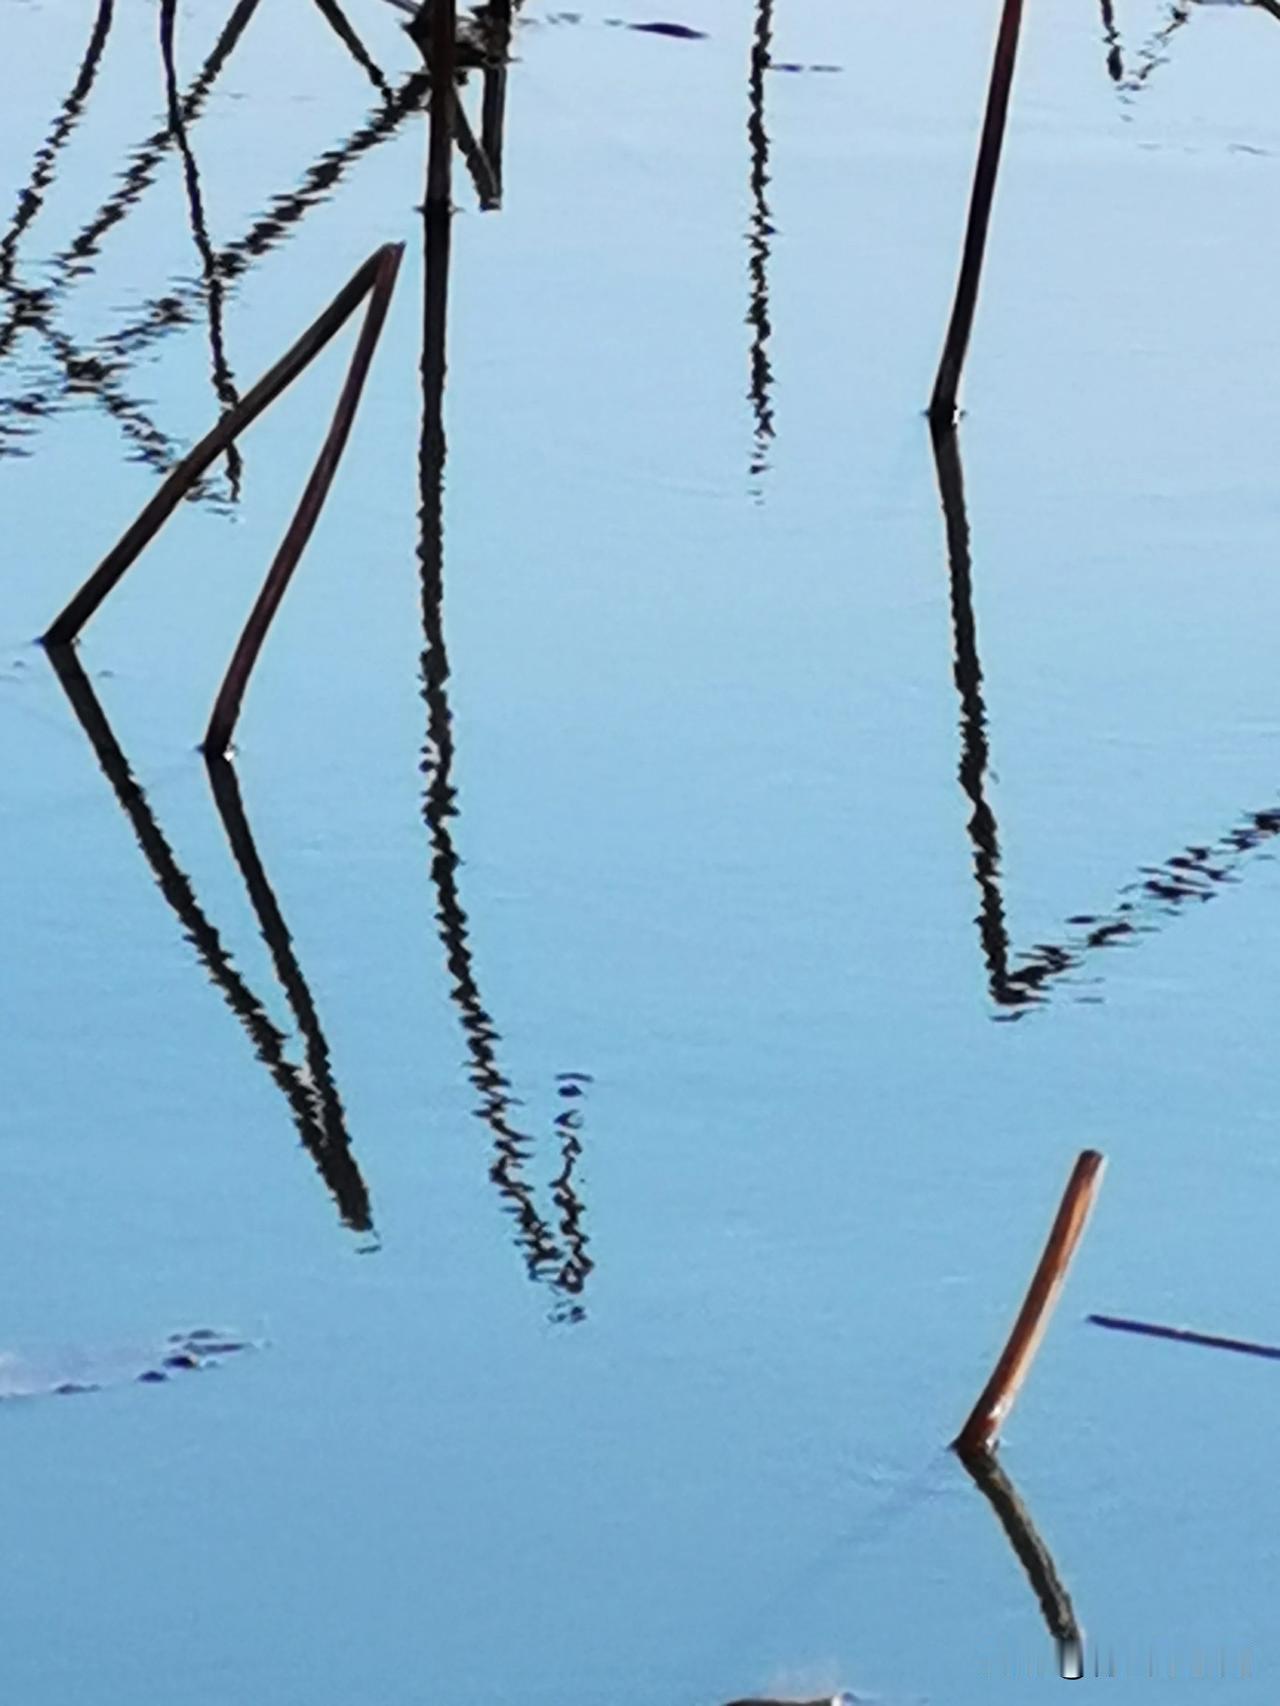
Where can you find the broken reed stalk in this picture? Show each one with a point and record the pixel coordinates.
(980, 1433)
(111, 570)
(440, 145)
(226, 707)
(942, 405)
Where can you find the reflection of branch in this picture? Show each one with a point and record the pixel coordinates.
(1034, 1556)
(90, 375)
(32, 197)
(1194, 874)
(32, 307)
(223, 384)
(564, 1272)
(974, 749)
(342, 27)
(317, 1118)
(1115, 61)
(331, 1143)
(758, 241)
(1153, 53)
(162, 315)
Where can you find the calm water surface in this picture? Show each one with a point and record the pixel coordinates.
(618, 1038)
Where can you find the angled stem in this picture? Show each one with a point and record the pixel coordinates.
(226, 708)
(981, 1432)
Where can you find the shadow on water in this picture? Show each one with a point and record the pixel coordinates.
(759, 237)
(1188, 877)
(312, 1095)
(555, 1256)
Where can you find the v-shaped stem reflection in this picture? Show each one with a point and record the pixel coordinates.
(223, 384)
(759, 237)
(312, 1097)
(1034, 1556)
(560, 1259)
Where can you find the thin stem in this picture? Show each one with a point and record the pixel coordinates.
(67, 625)
(981, 1431)
(942, 407)
(226, 708)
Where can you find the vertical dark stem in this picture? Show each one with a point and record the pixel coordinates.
(942, 407)
(440, 146)
(759, 235)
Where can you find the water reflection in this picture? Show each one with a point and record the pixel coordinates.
(312, 1095)
(83, 373)
(345, 31)
(1189, 877)
(1115, 58)
(759, 235)
(1034, 1556)
(975, 750)
(31, 198)
(223, 384)
(99, 373)
(556, 1256)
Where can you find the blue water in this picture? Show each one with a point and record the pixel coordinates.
(650, 1403)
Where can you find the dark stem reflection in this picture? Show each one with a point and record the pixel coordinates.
(223, 384)
(31, 198)
(975, 752)
(1188, 878)
(554, 1256)
(759, 237)
(1034, 1556)
(312, 1097)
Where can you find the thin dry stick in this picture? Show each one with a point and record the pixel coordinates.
(67, 625)
(440, 148)
(942, 407)
(231, 694)
(979, 1434)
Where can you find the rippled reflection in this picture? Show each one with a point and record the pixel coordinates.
(100, 373)
(1034, 1556)
(555, 1255)
(1187, 878)
(759, 236)
(223, 384)
(312, 1095)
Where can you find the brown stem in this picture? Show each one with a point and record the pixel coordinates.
(110, 571)
(942, 407)
(981, 1431)
(231, 694)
